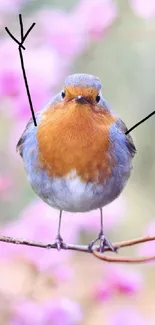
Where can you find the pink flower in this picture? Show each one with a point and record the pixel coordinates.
(117, 280)
(143, 8)
(10, 74)
(10, 81)
(95, 16)
(128, 316)
(102, 291)
(66, 35)
(124, 280)
(27, 312)
(38, 222)
(44, 69)
(62, 312)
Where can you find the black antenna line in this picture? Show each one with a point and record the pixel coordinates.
(19, 43)
(26, 85)
(28, 31)
(140, 122)
(23, 37)
(21, 27)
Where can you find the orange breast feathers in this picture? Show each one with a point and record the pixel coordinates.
(74, 137)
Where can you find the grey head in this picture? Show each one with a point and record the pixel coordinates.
(87, 80)
(83, 80)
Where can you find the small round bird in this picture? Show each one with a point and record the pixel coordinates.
(78, 157)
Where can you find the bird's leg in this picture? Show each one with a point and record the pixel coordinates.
(103, 240)
(59, 241)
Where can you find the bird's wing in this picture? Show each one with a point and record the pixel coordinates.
(19, 146)
(129, 141)
(28, 132)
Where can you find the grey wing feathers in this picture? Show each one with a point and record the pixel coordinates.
(30, 125)
(129, 141)
(19, 146)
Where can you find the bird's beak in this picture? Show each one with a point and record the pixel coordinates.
(81, 100)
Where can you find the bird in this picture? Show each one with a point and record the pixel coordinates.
(78, 158)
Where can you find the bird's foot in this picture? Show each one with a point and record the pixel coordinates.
(104, 242)
(59, 243)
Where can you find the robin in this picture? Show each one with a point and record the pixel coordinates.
(78, 157)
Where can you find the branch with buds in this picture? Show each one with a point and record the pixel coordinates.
(95, 252)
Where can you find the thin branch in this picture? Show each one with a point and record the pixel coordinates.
(17, 241)
(95, 252)
(123, 259)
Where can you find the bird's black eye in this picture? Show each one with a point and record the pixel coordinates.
(63, 94)
(97, 98)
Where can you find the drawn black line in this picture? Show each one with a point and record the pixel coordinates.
(20, 48)
(28, 31)
(26, 85)
(21, 27)
(19, 43)
(140, 122)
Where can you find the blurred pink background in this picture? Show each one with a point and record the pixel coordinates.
(115, 41)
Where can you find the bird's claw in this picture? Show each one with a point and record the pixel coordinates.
(104, 242)
(59, 243)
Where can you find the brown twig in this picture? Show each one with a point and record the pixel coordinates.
(123, 259)
(84, 248)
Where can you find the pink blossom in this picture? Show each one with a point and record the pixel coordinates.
(102, 291)
(38, 222)
(10, 81)
(143, 8)
(124, 280)
(27, 312)
(128, 316)
(45, 64)
(66, 35)
(44, 69)
(95, 16)
(10, 74)
(62, 312)
(117, 280)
